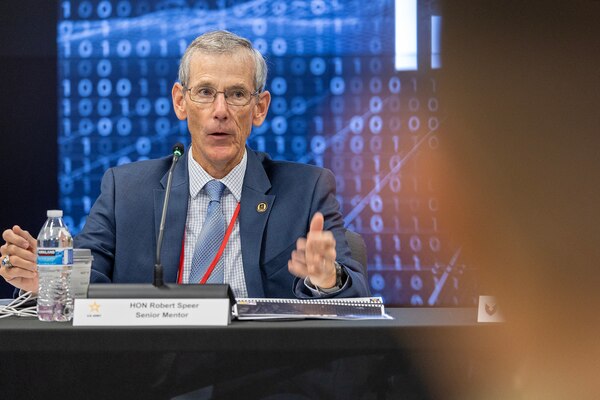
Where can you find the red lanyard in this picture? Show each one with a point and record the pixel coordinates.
(214, 262)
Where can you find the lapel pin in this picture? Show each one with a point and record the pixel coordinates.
(261, 207)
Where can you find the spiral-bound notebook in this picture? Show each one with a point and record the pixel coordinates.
(353, 308)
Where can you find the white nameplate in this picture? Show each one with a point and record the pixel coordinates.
(152, 312)
(489, 310)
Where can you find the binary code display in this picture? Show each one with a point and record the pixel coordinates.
(353, 88)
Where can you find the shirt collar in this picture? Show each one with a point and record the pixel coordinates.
(233, 181)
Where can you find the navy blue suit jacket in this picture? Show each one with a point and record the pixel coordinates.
(122, 227)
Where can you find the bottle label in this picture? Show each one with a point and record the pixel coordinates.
(55, 256)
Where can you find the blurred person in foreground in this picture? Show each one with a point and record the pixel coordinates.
(519, 174)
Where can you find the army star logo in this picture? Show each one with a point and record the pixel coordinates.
(94, 307)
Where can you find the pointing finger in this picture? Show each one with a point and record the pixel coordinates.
(317, 222)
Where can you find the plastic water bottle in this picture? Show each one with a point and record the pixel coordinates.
(54, 263)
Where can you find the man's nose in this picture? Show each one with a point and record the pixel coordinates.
(221, 108)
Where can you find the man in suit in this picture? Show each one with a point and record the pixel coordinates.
(287, 235)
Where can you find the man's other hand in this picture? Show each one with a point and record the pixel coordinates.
(21, 270)
(315, 255)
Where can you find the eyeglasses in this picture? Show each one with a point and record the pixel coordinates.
(233, 97)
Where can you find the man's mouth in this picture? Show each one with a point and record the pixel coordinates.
(218, 134)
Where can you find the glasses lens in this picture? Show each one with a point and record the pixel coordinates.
(203, 94)
(237, 97)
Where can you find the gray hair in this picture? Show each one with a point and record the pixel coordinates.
(223, 42)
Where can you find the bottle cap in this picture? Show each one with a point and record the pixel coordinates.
(54, 213)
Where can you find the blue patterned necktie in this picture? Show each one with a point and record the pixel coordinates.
(210, 238)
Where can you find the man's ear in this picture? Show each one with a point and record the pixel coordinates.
(178, 95)
(261, 108)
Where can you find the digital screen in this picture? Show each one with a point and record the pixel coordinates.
(354, 89)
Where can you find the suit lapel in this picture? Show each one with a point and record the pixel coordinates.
(254, 213)
(176, 217)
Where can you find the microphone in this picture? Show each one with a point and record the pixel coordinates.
(178, 151)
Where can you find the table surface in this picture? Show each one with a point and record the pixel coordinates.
(161, 361)
(412, 327)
